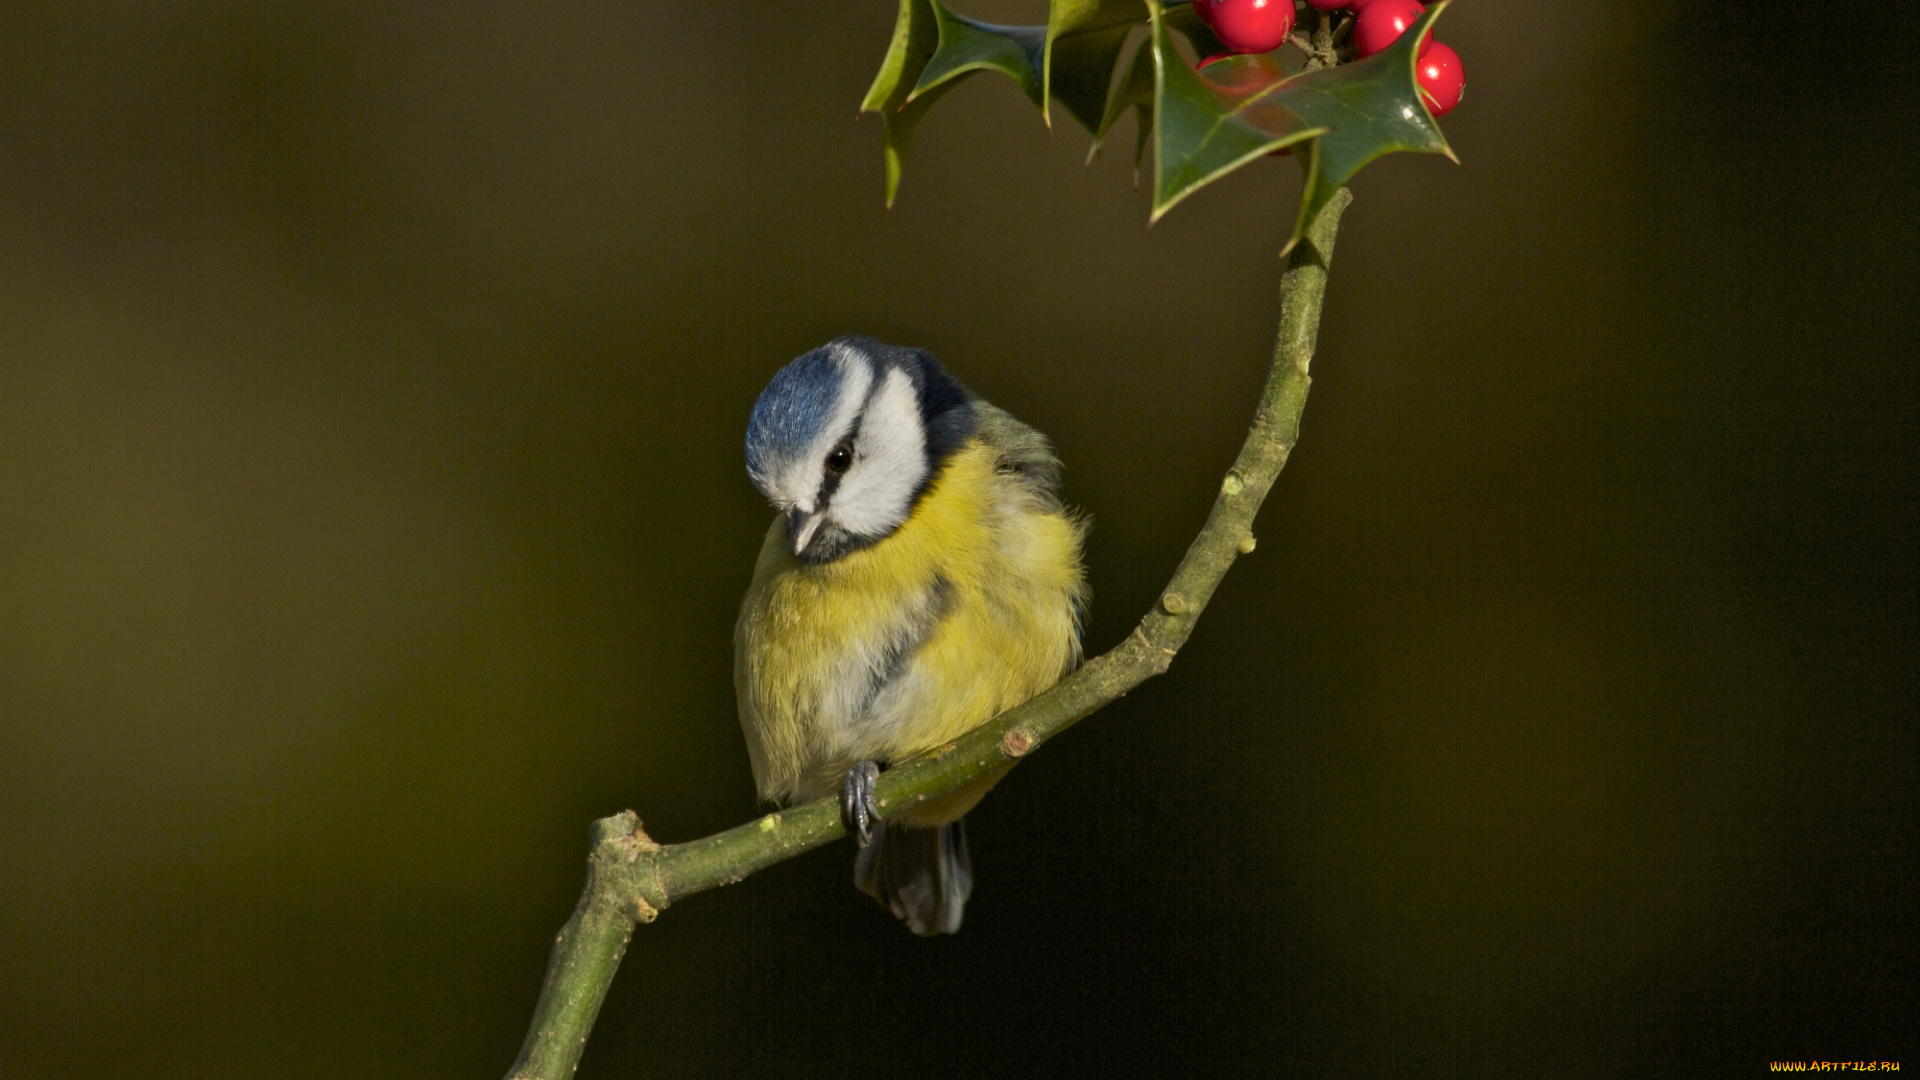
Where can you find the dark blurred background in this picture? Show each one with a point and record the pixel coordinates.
(372, 517)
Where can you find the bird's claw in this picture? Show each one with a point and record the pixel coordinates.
(858, 808)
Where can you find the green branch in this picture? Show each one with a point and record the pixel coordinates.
(631, 879)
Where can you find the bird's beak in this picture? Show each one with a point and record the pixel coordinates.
(801, 527)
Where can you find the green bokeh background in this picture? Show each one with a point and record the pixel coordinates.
(372, 516)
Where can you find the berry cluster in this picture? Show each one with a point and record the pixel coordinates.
(1258, 26)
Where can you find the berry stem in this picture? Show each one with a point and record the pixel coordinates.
(1342, 32)
(1323, 47)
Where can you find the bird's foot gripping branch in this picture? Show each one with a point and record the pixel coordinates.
(1335, 110)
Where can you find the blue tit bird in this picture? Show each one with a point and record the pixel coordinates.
(920, 578)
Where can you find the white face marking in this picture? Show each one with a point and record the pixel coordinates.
(798, 484)
(889, 462)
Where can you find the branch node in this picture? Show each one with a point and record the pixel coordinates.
(1015, 744)
(620, 841)
(623, 835)
(1173, 602)
(1158, 657)
(1233, 485)
(1247, 544)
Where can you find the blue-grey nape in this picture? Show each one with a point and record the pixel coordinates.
(944, 403)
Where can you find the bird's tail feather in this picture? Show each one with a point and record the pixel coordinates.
(922, 874)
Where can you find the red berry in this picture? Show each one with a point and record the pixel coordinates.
(1252, 26)
(1442, 79)
(1203, 10)
(1214, 59)
(1382, 22)
(1326, 5)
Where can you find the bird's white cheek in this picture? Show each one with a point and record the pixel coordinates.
(872, 499)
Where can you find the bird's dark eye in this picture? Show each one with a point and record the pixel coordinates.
(840, 460)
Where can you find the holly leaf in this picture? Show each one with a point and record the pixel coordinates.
(1083, 43)
(1135, 93)
(934, 50)
(968, 45)
(1072, 58)
(1215, 121)
(1203, 129)
(1202, 125)
(1374, 107)
(916, 36)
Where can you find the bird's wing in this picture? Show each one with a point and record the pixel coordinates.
(1027, 457)
(1023, 452)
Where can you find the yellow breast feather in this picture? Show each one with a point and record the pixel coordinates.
(969, 608)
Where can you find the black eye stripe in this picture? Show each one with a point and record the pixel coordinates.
(829, 476)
